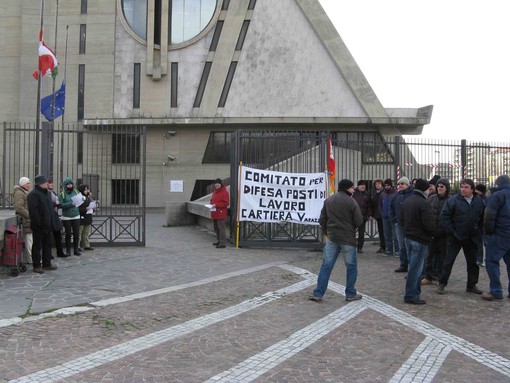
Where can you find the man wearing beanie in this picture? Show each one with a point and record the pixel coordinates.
(390, 234)
(40, 210)
(437, 248)
(461, 218)
(19, 198)
(339, 219)
(364, 201)
(416, 218)
(432, 185)
(497, 228)
(220, 200)
(404, 191)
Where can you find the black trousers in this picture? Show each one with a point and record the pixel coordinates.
(437, 254)
(41, 244)
(220, 230)
(74, 225)
(380, 230)
(470, 249)
(57, 235)
(361, 234)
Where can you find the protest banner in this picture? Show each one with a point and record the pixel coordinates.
(268, 196)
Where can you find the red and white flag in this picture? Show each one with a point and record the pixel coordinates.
(48, 64)
(331, 168)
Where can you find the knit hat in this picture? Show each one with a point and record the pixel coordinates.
(361, 182)
(421, 184)
(345, 184)
(23, 181)
(434, 180)
(40, 179)
(403, 180)
(388, 181)
(218, 181)
(445, 182)
(502, 180)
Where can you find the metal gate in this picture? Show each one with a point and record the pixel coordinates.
(110, 159)
(358, 156)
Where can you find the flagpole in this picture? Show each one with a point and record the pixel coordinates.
(51, 132)
(38, 113)
(62, 130)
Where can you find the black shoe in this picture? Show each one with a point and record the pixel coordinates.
(52, 257)
(77, 252)
(401, 269)
(38, 270)
(415, 302)
(215, 243)
(473, 289)
(63, 255)
(88, 248)
(360, 251)
(380, 251)
(220, 246)
(52, 267)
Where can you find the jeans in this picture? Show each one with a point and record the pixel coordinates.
(417, 253)
(470, 249)
(497, 248)
(390, 236)
(402, 251)
(330, 254)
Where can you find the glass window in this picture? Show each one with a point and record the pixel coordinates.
(125, 149)
(81, 92)
(186, 18)
(83, 7)
(83, 38)
(136, 85)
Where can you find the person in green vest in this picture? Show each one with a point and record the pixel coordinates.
(71, 214)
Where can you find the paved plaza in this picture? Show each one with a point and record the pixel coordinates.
(180, 310)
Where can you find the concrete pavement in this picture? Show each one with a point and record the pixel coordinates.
(180, 310)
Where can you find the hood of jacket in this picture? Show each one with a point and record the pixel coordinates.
(67, 181)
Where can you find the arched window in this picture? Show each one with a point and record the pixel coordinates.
(186, 18)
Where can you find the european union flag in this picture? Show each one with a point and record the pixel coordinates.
(60, 101)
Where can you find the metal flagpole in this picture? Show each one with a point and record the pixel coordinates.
(38, 113)
(63, 114)
(51, 133)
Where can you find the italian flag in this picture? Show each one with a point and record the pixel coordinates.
(48, 64)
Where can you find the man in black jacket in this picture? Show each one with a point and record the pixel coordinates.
(462, 218)
(364, 201)
(40, 210)
(339, 219)
(418, 222)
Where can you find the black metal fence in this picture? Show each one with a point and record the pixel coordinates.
(110, 159)
(358, 156)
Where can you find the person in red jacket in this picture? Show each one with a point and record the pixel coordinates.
(219, 201)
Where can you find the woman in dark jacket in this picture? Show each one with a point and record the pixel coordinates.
(219, 201)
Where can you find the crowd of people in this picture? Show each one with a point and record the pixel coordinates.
(43, 213)
(425, 226)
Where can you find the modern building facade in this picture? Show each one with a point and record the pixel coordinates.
(192, 72)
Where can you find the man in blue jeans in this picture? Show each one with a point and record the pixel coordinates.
(404, 191)
(497, 229)
(339, 219)
(419, 225)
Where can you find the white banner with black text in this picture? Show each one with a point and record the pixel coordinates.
(267, 196)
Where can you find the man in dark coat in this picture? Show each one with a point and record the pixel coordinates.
(461, 218)
(339, 219)
(364, 201)
(376, 192)
(390, 235)
(497, 229)
(40, 209)
(418, 223)
(404, 191)
(437, 248)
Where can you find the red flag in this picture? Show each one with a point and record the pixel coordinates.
(48, 64)
(331, 168)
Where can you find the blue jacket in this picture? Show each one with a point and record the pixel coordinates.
(385, 198)
(497, 213)
(461, 219)
(396, 204)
